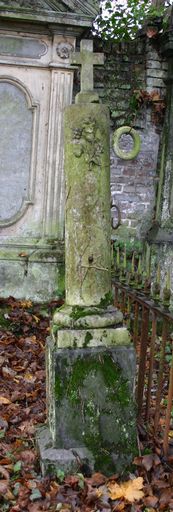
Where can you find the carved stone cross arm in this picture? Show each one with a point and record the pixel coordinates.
(87, 60)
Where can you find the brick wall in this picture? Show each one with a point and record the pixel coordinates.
(128, 68)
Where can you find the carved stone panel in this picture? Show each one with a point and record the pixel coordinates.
(22, 47)
(15, 151)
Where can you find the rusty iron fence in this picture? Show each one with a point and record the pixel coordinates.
(150, 321)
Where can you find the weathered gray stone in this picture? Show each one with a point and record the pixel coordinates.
(21, 47)
(16, 123)
(92, 317)
(92, 405)
(155, 82)
(87, 234)
(155, 73)
(69, 338)
(54, 460)
(37, 279)
(87, 59)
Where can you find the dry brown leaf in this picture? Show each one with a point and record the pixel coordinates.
(156, 460)
(4, 483)
(3, 487)
(97, 479)
(37, 507)
(151, 32)
(4, 473)
(146, 461)
(150, 501)
(165, 498)
(4, 400)
(23, 254)
(119, 506)
(130, 490)
(9, 496)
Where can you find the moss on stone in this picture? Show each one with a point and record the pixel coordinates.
(79, 312)
(88, 338)
(106, 300)
(115, 405)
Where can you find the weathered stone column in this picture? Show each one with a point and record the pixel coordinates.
(87, 171)
(90, 359)
(87, 226)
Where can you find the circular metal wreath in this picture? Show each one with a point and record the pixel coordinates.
(126, 130)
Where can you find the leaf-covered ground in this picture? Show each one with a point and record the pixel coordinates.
(149, 487)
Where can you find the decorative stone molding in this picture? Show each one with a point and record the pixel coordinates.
(64, 50)
(54, 198)
(30, 192)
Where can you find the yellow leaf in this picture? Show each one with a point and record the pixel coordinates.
(29, 377)
(36, 319)
(26, 303)
(130, 490)
(99, 493)
(133, 490)
(116, 491)
(4, 401)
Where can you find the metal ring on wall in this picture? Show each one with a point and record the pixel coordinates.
(126, 130)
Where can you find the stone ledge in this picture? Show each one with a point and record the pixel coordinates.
(76, 338)
(53, 459)
(87, 317)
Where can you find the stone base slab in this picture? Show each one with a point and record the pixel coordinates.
(32, 271)
(75, 338)
(53, 459)
(91, 403)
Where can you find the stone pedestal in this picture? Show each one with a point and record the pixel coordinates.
(90, 382)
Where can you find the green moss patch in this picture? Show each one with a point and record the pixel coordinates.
(93, 396)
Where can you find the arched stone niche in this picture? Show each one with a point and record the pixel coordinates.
(18, 118)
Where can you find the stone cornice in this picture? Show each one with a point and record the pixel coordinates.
(76, 12)
(46, 17)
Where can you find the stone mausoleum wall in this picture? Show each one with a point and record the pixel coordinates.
(133, 70)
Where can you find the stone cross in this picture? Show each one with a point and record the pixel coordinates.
(87, 59)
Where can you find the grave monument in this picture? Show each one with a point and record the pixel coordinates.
(90, 358)
(37, 38)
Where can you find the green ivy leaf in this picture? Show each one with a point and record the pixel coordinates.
(17, 467)
(35, 495)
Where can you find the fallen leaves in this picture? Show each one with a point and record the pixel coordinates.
(147, 461)
(22, 400)
(130, 490)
